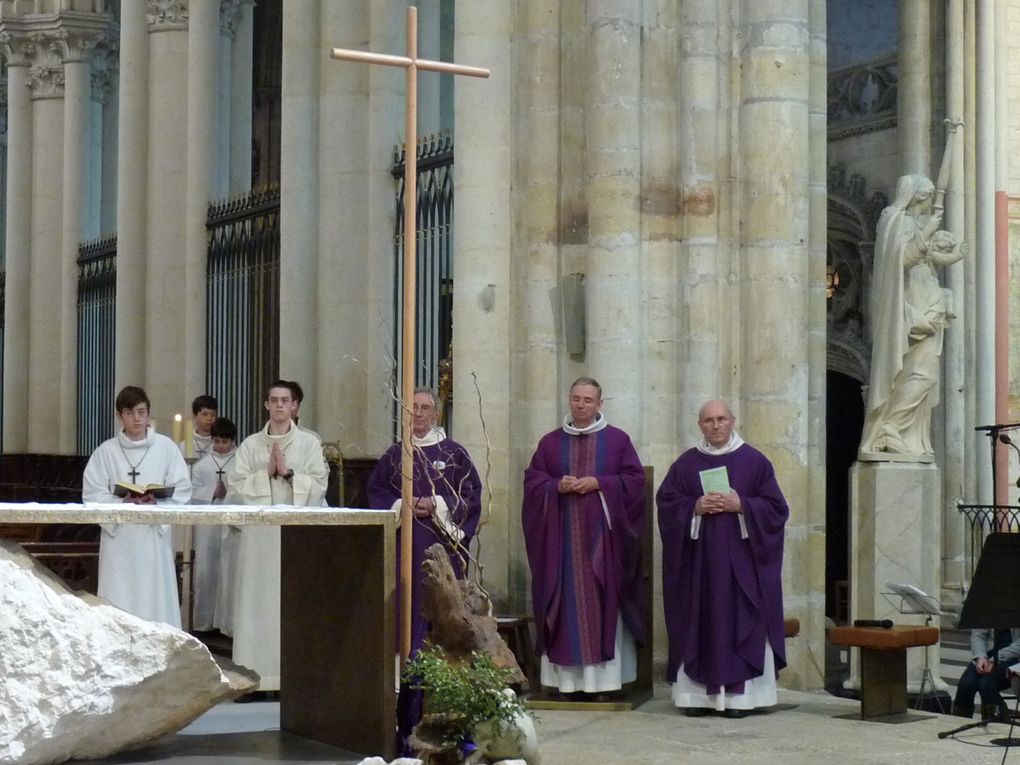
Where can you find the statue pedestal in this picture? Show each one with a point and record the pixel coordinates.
(895, 536)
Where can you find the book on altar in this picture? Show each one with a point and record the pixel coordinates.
(715, 480)
(128, 489)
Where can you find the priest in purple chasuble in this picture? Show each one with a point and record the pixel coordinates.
(583, 514)
(721, 516)
(447, 497)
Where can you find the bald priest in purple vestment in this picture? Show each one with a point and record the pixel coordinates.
(583, 515)
(721, 516)
(447, 496)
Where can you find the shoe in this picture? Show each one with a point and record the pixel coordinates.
(697, 712)
(735, 714)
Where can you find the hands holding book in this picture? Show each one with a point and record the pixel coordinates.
(135, 494)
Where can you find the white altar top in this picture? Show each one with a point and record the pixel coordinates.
(235, 515)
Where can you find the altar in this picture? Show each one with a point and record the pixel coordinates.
(337, 616)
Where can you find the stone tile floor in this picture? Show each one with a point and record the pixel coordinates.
(803, 729)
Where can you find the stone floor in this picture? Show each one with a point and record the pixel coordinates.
(803, 729)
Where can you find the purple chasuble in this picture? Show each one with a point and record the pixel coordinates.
(443, 470)
(585, 569)
(722, 595)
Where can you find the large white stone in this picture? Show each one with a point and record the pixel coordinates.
(83, 679)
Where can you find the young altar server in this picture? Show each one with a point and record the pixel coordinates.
(208, 481)
(136, 562)
(204, 410)
(279, 465)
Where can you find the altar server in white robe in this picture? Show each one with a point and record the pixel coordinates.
(279, 465)
(136, 563)
(204, 411)
(209, 487)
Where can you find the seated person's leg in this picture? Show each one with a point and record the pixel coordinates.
(966, 689)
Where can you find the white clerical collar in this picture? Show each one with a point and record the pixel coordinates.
(433, 437)
(729, 447)
(281, 438)
(128, 443)
(594, 427)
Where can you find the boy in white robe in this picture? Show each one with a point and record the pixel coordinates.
(136, 563)
(208, 481)
(279, 465)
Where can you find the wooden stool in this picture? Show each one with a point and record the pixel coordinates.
(517, 635)
(883, 664)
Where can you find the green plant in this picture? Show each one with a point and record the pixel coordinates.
(463, 695)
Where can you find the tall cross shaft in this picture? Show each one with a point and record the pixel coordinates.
(411, 64)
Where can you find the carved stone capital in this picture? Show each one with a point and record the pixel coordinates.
(230, 17)
(166, 15)
(45, 43)
(104, 68)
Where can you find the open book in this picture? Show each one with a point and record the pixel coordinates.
(128, 489)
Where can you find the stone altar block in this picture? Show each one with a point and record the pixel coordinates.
(338, 608)
(895, 537)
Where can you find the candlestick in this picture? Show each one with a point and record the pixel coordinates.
(177, 429)
(189, 439)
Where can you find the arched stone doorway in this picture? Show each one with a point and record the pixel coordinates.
(852, 217)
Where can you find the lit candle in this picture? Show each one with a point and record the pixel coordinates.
(177, 429)
(189, 439)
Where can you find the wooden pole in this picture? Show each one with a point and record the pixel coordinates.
(410, 307)
(412, 64)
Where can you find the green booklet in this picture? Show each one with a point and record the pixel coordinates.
(716, 480)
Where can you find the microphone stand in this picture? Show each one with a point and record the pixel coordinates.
(962, 728)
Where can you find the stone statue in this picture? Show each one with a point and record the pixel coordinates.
(910, 310)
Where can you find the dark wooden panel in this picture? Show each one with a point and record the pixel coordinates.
(338, 602)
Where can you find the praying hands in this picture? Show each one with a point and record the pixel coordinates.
(585, 485)
(714, 502)
(277, 463)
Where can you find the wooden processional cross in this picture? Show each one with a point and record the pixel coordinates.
(411, 64)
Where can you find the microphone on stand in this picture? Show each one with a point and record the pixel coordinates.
(962, 728)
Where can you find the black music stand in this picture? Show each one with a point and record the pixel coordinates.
(994, 599)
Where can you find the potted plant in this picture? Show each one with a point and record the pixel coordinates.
(463, 699)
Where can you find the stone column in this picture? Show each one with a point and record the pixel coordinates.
(983, 251)
(914, 87)
(106, 86)
(203, 76)
(168, 281)
(17, 244)
(132, 191)
(46, 320)
(613, 153)
(811, 556)
(482, 248)
(776, 291)
(705, 203)
(241, 99)
(954, 469)
(304, 51)
(75, 215)
(546, 217)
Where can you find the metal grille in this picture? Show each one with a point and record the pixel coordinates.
(97, 307)
(982, 520)
(243, 298)
(434, 289)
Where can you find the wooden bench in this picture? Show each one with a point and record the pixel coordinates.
(883, 664)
